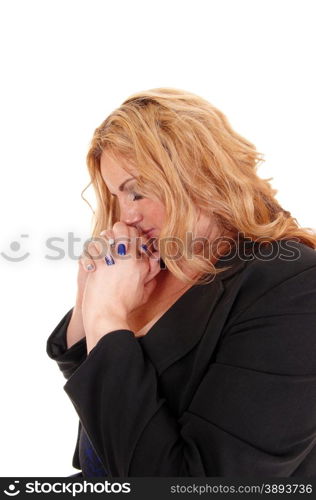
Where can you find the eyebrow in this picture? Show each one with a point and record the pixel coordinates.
(121, 187)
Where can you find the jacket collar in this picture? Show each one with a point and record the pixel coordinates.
(184, 323)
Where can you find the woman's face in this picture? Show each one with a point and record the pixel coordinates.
(145, 213)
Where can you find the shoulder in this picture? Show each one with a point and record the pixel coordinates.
(279, 260)
(282, 270)
(271, 325)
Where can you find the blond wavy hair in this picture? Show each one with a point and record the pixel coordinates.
(190, 158)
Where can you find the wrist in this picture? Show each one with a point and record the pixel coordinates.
(101, 326)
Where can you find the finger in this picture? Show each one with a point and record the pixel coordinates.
(108, 234)
(134, 240)
(94, 249)
(87, 264)
(150, 246)
(151, 249)
(107, 240)
(124, 236)
(100, 246)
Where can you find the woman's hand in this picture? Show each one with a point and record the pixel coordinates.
(112, 292)
(75, 330)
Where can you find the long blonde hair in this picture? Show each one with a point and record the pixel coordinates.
(188, 156)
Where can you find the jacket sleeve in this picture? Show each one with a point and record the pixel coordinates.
(68, 360)
(253, 414)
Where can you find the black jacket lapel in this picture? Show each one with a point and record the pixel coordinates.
(183, 325)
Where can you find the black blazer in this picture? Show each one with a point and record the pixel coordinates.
(224, 384)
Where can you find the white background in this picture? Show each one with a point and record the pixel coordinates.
(65, 65)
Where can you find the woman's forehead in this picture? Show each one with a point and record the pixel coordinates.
(116, 168)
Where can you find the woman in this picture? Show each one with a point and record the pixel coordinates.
(191, 347)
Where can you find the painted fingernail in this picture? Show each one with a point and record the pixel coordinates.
(109, 260)
(90, 267)
(121, 249)
(162, 264)
(144, 247)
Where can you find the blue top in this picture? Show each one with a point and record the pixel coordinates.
(90, 463)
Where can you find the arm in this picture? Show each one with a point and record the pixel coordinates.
(67, 344)
(75, 330)
(68, 359)
(252, 415)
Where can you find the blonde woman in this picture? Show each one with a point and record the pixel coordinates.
(190, 350)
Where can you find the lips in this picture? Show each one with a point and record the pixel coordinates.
(148, 232)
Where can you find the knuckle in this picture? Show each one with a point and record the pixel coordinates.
(106, 241)
(119, 225)
(93, 250)
(106, 233)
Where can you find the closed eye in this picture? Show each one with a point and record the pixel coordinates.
(135, 196)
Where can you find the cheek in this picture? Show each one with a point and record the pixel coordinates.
(156, 213)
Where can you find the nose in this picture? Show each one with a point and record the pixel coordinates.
(130, 215)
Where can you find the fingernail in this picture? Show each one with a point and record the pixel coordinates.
(162, 264)
(90, 267)
(109, 260)
(121, 249)
(144, 247)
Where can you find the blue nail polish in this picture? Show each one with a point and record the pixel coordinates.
(144, 247)
(121, 249)
(109, 260)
